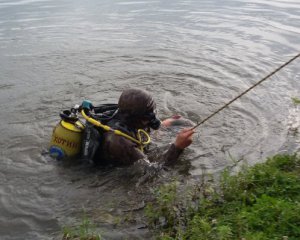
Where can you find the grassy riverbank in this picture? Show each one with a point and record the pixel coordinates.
(84, 231)
(260, 202)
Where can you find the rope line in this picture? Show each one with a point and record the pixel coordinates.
(247, 90)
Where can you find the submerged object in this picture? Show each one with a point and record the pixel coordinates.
(177, 120)
(67, 136)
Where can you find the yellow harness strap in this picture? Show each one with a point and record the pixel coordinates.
(139, 141)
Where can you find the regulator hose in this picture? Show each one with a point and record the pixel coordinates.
(139, 141)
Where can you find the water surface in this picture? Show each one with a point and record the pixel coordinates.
(193, 56)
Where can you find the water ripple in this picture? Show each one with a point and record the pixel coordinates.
(194, 56)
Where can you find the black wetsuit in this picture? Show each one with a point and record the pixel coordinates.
(134, 106)
(118, 150)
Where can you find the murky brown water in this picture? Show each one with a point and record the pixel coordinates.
(194, 56)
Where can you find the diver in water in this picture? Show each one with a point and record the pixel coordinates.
(136, 110)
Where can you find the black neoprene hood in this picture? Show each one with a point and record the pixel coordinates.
(136, 102)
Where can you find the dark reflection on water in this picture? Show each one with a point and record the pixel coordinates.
(192, 55)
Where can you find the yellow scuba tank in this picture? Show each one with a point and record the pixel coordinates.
(67, 136)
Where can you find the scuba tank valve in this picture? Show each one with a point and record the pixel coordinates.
(67, 135)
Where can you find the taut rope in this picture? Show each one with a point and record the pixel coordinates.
(243, 93)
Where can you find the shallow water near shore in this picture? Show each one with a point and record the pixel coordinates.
(193, 56)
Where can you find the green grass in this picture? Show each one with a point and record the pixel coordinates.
(84, 231)
(296, 100)
(259, 203)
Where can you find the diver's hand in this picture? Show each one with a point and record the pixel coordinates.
(184, 138)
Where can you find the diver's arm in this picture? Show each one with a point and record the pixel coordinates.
(169, 157)
(166, 155)
(183, 140)
(125, 152)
